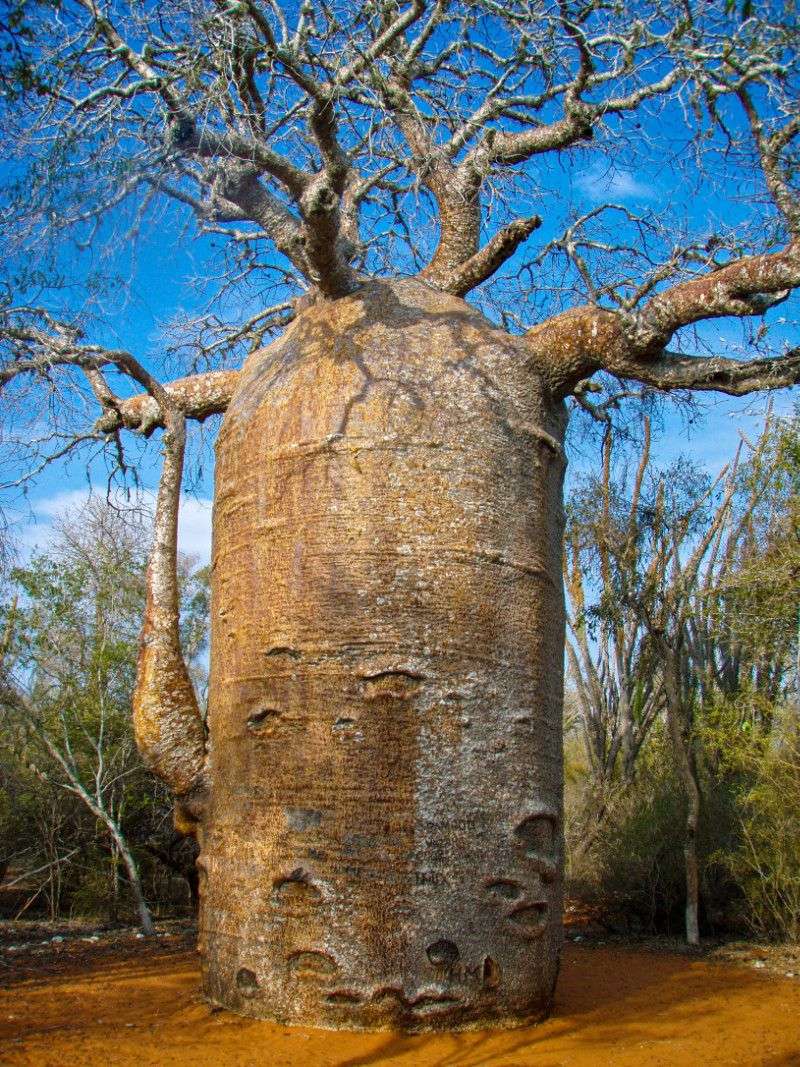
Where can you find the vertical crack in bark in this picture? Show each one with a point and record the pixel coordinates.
(167, 722)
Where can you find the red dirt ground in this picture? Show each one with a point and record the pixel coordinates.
(123, 1002)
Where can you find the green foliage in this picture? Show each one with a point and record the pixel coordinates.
(745, 10)
(75, 612)
(19, 70)
(760, 600)
(741, 663)
(634, 870)
(635, 865)
(767, 862)
(758, 753)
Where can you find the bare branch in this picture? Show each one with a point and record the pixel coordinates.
(196, 397)
(487, 261)
(570, 347)
(769, 148)
(748, 286)
(713, 373)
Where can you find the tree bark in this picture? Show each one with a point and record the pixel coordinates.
(383, 841)
(145, 918)
(168, 726)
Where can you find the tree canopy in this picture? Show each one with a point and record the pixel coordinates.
(315, 144)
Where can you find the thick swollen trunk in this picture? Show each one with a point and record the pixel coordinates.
(383, 840)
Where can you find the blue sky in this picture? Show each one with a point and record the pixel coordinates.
(168, 255)
(158, 274)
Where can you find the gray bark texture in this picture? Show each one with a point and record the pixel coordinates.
(679, 725)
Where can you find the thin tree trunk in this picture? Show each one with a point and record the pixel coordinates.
(114, 909)
(690, 859)
(677, 724)
(145, 918)
(120, 843)
(52, 896)
(97, 808)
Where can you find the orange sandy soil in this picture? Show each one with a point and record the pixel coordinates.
(133, 1002)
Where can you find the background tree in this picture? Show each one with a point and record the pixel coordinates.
(611, 661)
(673, 551)
(758, 594)
(69, 672)
(330, 150)
(751, 738)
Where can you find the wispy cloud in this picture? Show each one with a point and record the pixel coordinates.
(194, 526)
(606, 183)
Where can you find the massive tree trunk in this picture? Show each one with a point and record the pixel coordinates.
(382, 844)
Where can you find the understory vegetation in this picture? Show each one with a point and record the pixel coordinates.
(683, 722)
(85, 829)
(682, 715)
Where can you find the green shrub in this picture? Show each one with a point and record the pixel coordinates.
(633, 870)
(766, 860)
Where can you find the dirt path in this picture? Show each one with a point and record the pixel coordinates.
(618, 1007)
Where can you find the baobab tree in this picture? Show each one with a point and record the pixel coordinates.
(377, 791)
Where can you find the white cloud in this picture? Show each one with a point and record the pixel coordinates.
(194, 524)
(194, 527)
(606, 183)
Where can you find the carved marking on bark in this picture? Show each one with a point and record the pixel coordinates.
(505, 888)
(529, 920)
(311, 963)
(537, 833)
(246, 982)
(297, 890)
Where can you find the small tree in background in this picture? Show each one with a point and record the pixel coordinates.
(685, 572)
(69, 673)
(611, 661)
(752, 731)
